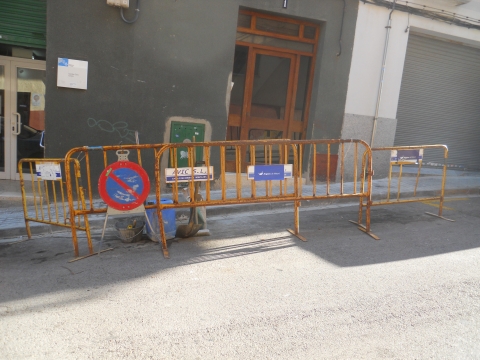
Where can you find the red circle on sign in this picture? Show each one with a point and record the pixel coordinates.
(124, 185)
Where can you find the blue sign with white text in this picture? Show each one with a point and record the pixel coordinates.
(269, 172)
(412, 156)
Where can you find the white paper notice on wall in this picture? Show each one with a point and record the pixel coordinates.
(72, 73)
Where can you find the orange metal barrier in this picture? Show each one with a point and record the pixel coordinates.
(264, 152)
(94, 205)
(404, 162)
(218, 191)
(48, 203)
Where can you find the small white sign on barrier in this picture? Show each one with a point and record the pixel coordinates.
(406, 156)
(201, 173)
(48, 171)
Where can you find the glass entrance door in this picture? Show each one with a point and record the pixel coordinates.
(268, 96)
(22, 113)
(262, 94)
(272, 79)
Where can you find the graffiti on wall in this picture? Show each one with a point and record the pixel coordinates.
(119, 127)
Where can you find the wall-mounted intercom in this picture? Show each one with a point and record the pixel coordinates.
(120, 3)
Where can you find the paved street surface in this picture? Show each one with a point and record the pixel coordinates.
(253, 291)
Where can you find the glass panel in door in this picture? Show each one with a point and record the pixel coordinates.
(270, 99)
(30, 110)
(270, 87)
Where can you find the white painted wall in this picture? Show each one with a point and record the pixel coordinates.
(369, 46)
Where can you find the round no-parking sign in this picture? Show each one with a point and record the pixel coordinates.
(124, 185)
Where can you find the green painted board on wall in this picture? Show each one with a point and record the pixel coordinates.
(186, 132)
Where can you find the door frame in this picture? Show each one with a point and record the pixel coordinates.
(10, 65)
(5, 174)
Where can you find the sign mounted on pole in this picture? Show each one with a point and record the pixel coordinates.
(124, 185)
(269, 172)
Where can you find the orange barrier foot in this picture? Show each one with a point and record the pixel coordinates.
(441, 217)
(297, 235)
(364, 229)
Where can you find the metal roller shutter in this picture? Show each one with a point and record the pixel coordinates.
(439, 100)
(23, 23)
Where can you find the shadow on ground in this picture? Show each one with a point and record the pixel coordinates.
(40, 266)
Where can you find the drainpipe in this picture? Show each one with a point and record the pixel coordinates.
(382, 75)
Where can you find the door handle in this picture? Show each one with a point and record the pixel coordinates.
(42, 139)
(17, 125)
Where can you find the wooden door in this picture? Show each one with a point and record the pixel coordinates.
(271, 79)
(268, 95)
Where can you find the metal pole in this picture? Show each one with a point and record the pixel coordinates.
(382, 74)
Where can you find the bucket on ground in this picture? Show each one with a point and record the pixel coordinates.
(168, 221)
(130, 230)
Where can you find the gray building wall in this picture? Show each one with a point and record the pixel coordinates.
(174, 61)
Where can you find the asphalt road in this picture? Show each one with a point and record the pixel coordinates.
(253, 291)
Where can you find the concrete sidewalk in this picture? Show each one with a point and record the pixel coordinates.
(12, 222)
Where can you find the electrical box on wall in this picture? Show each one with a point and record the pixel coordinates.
(183, 132)
(120, 3)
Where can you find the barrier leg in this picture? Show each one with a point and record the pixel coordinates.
(360, 213)
(72, 210)
(442, 194)
(367, 216)
(87, 225)
(366, 228)
(27, 226)
(74, 235)
(296, 220)
(440, 209)
(418, 177)
(163, 237)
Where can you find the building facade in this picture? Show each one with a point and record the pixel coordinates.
(415, 78)
(385, 72)
(222, 69)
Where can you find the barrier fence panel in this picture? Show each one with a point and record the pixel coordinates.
(409, 156)
(271, 169)
(48, 203)
(265, 171)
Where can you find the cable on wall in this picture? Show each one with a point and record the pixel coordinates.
(341, 29)
(137, 11)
